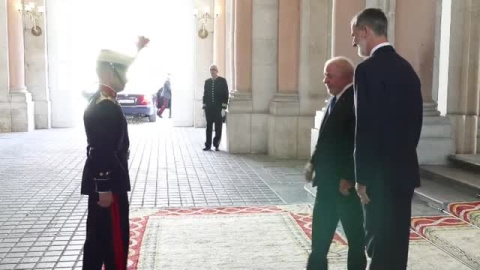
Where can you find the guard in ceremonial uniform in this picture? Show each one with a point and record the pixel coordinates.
(105, 176)
(215, 101)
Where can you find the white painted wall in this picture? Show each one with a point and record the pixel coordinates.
(60, 51)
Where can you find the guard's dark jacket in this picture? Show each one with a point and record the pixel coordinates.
(215, 95)
(106, 167)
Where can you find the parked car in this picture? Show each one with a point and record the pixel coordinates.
(133, 104)
(138, 105)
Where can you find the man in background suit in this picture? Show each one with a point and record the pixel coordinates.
(333, 164)
(215, 102)
(389, 111)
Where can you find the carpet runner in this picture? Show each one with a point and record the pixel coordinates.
(276, 237)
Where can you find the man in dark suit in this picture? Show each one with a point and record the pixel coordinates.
(215, 101)
(389, 109)
(333, 165)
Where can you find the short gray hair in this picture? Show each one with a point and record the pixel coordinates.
(372, 18)
(344, 63)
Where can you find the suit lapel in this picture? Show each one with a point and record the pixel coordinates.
(327, 114)
(338, 104)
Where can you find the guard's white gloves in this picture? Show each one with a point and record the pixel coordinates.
(223, 112)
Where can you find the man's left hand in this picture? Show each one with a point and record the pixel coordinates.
(309, 172)
(362, 193)
(223, 112)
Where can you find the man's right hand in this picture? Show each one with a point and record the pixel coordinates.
(309, 172)
(105, 199)
(142, 42)
(345, 187)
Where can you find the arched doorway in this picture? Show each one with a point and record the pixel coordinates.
(77, 30)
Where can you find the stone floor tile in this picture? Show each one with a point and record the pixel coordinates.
(42, 171)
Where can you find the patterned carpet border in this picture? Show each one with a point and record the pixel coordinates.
(467, 211)
(451, 235)
(420, 224)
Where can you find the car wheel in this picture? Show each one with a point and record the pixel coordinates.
(152, 118)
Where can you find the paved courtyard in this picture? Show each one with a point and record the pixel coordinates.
(42, 214)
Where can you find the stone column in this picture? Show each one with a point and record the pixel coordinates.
(264, 69)
(283, 139)
(459, 68)
(239, 119)
(229, 41)
(36, 72)
(5, 116)
(419, 25)
(219, 37)
(21, 101)
(343, 12)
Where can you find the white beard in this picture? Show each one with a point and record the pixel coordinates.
(362, 49)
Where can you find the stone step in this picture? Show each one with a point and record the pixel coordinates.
(439, 194)
(456, 177)
(470, 162)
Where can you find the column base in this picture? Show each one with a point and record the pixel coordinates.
(43, 110)
(436, 141)
(288, 131)
(240, 131)
(5, 117)
(478, 136)
(466, 133)
(200, 121)
(316, 129)
(22, 111)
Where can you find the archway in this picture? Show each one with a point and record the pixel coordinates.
(79, 29)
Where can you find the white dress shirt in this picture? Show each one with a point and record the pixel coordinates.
(379, 46)
(344, 89)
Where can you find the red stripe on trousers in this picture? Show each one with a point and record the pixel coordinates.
(119, 257)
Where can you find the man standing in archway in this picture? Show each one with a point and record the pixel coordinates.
(215, 101)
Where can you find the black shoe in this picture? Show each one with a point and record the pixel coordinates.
(206, 149)
(216, 149)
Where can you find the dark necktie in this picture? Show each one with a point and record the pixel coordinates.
(332, 104)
